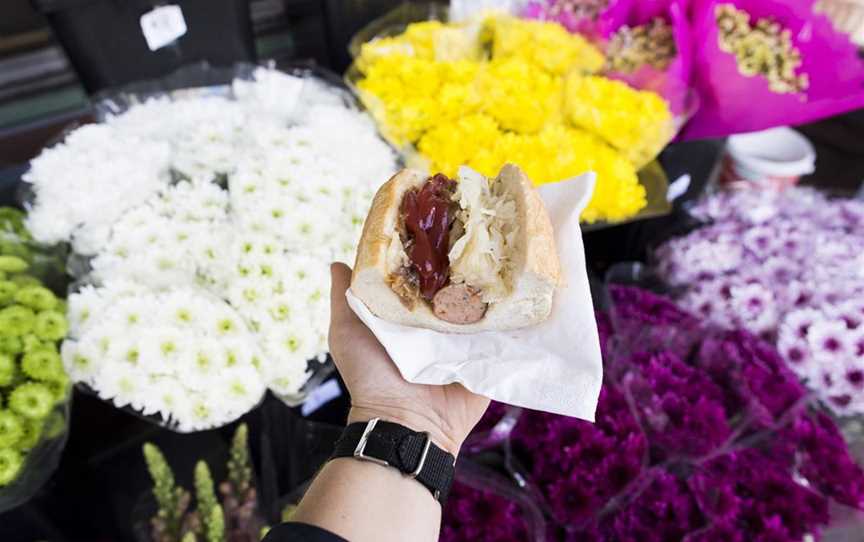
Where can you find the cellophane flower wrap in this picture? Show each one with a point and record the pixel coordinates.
(784, 55)
(203, 223)
(649, 45)
(704, 439)
(786, 266)
(501, 89)
(34, 387)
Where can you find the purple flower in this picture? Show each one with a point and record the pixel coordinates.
(472, 515)
(644, 321)
(824, 459)
(753, 490)
(664, 511)
(577, 465)
(681, 407)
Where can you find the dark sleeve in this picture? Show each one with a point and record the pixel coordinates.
(300, 532)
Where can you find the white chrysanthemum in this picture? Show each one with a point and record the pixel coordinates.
(196, 287)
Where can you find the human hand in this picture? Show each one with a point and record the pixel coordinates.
(447, 413)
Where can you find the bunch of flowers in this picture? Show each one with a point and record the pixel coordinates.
(708, 440)
(786, 266)
(235, 519)
(574, 15)
(32, 380)
(479, 515)
(532, 100)
(227, 247)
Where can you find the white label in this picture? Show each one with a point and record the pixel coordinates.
(678, 188)
(162, 26)
(320, 396)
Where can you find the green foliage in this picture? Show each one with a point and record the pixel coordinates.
(239, 467)
(168, 495)
(188, 537)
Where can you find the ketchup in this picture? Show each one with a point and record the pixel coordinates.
(427, 214)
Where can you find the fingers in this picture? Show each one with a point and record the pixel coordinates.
(340, 280)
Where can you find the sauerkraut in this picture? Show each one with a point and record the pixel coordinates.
(487, 220)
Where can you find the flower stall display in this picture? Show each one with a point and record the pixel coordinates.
(34, 387)
(784, 55)
(235, 519)
(701, 440)
(502, 89)
(787, 266)
(203, 224)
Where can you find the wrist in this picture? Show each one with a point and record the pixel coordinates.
(438, 431)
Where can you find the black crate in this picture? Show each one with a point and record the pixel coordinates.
(106, 45)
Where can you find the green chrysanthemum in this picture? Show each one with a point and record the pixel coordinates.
(23, 281)
(31, 342)
(10, 345)
(8, 289)
(13, 264)
(10, 247)
(51, 325)
(11, 463)
(11, 429)
(7, 369)
(36, 297)
(43, 364)
(59, 387)
(16, 321)
(32, 400)
(31, 435)
(55, 425)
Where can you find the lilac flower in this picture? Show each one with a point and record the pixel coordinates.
(767, 263)
(473, 515)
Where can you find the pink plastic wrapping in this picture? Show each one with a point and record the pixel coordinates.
(732, 103)
(673, 83)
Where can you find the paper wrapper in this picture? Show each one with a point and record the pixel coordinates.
(554, 367)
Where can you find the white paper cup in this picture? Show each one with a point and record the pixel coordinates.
(771, 158)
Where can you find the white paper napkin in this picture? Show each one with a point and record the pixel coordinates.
(554, 366)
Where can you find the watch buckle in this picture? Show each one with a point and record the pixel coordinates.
(422, 458)
(361, 446)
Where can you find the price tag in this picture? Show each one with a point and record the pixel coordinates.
(320, 396)
(162, 25)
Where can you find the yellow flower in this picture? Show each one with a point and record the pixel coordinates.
(427, 40)
(449, 145)
(521, 97)
(545, 44)
(637, 123)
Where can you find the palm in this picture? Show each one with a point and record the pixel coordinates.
(374, 381)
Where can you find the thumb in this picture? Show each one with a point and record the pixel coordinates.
(340, 280)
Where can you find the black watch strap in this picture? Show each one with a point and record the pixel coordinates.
(394, 445)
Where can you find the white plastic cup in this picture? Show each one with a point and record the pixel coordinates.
(771, 158)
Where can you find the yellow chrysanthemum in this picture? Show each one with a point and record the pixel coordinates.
(545, 44)
(520, 96)
(449, 145)
(637, 123)
(428, 40)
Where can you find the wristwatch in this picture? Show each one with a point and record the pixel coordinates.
(393, 445)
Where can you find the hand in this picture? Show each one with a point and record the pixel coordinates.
(447, 413)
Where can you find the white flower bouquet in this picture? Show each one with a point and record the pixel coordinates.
(208, 221)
